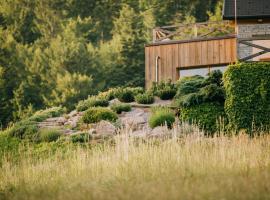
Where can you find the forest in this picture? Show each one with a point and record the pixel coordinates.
(57, 52)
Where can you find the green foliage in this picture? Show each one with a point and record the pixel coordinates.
(109, 94)
(121, 107)
(41, 115)
(161, 116)
(196, 90)
(164, 90)
(96, 114)
(208, 116)
(93, 101)
(247, 88)
(58, 52)
(125, 95)
(25, 129)
(49, 135)
(8, 145)
(80, 138)
(145, 98)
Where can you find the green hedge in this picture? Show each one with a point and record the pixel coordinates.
(207, 116)
(247, 87)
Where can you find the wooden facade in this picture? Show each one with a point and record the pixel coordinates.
(168, 57)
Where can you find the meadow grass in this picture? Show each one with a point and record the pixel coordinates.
(190, 167)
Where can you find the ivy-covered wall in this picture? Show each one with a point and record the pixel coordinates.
(247, 87)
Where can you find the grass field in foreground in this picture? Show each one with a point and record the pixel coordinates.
(193, 167)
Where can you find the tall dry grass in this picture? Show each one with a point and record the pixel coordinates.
(192, 167)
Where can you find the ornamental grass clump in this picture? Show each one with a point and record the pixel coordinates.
(49, 135)
(161, 116)
(121, 107)
(96, 114)
(145, 98)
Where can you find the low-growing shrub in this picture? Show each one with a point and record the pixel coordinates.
(49, 135)
(161, 116)
(196, 90)
(121, 107)
(8, 145)
(164, 90)
(96, 114)
(247, 88)
(136, 90)
(41, 115)
(125, 95)
(166, 93)
(109, 94)
(208, 116)
(93, 101)
(145, 98)
(25, 129)
(80, 138)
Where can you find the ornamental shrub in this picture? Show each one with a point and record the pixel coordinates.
(145, 98)
(247, 87)
(206, 115)
(125, 95)
(121, 107)
(41, 115)
(164, 90)
(96, 114)
(196, 90)
(161, 116)
(93, 101)
(49, 135)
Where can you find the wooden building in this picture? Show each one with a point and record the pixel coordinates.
(196, 49)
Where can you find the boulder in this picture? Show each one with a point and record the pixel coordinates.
(160, 132)
(104, 128)
(136, 118)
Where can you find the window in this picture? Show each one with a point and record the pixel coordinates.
(193, 72)
(204, 71)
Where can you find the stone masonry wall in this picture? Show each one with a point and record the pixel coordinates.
(248, 31)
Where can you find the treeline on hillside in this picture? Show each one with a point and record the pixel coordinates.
(56, 52)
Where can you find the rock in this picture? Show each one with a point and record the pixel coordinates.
(140, 134)
(160, 132)
(73, 113)
(59, 120)
(92, 131)
(105, 128)
(136, 118)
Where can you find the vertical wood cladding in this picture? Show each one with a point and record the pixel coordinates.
(186, 54)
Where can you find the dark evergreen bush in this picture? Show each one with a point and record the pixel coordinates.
(145, 98)
(247, 87)
(164, 90)
(121, 107)
(125, 95)
(96, 114)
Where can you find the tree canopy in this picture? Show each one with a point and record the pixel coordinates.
(56, 52)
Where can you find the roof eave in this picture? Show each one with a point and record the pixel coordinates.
(246, 17)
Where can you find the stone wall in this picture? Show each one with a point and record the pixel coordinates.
(249, 31)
